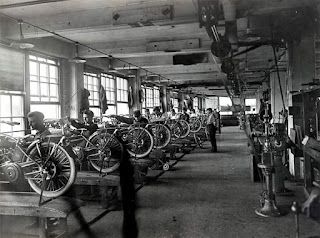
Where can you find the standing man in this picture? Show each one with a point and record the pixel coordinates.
(217, 116)
(211, 126)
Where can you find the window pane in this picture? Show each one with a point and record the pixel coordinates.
(34, 88)
(44, 88)
(90, 80)
(44, 79)
(41, 59)
(113, 97)
(122, 108)
(43, 70)
(51, 61)
(96, 111)
(96, 95)
(111, 110)
(5, 103)
(32, 57)
(45, 99)
(34, 78)
(5, 128)
(125, 97)
(118, 95)
(19, 128)
(53, 90)
(34, 99)
(53, 71)
(33, 68)
(17, 106)
(49, 111)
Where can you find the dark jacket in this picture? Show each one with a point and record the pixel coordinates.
(90, 127)
(130, 120)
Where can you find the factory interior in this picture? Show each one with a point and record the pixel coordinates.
(160, 118)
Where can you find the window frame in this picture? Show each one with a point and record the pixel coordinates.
(150, 100)
(39, 76)
(20, 131)
(112, 89)
(102, 77)
(49, 61)
(122, 91)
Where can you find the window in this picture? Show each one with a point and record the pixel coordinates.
(156, 96)
(91, 83)
(108, 82)
(251, 103)
(195, 104)
(175, 104)
(122, 96)
(122, 90)
(225, 105)
(44, 86)
(149, 98)
(152, 97)
(11, 110)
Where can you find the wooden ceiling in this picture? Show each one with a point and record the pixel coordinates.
(162, 36)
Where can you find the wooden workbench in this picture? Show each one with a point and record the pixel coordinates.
(108, 184)
(26, 205)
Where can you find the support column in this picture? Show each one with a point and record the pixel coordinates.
(135, 84)
(72, 88)
(300, 71)
(276, 99)
(164, 98)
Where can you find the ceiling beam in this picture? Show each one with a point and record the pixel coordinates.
(136, 51)
(28, 3)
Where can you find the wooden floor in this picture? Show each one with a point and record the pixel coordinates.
(203, 195)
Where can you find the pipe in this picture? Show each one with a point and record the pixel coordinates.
(229, 12)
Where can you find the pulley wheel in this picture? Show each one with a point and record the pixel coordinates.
(12, 172)
(221, 49)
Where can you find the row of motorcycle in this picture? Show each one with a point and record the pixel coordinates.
(50, 164)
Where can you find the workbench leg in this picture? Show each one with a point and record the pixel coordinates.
(43, 225)
(104, 198)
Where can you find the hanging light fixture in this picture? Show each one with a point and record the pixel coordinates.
(249, 36)
(21, 43)
(77, 59)
(110, 68)
(130, 74)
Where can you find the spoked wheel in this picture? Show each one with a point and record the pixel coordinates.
(55, 163)
(162, 135)
(203, 119)
(105, 152)
(140, 142)
(195, 124)
(175, 129)
(198, 141)
(185, 128)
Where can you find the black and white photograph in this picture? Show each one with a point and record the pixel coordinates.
(159, 118)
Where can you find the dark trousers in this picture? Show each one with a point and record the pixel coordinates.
(212, 135)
